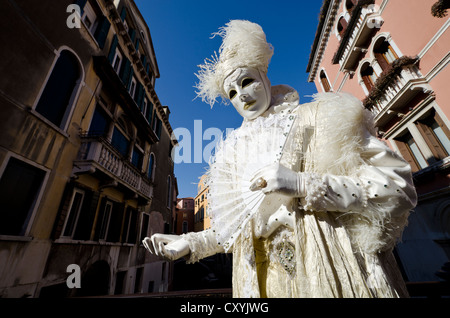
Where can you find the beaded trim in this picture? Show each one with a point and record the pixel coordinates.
(316, 189)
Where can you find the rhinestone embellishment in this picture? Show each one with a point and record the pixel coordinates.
(286, 256)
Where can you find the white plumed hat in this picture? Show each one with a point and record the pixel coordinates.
(244, 45)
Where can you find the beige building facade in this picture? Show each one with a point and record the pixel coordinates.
(202, 219)
(85, 166)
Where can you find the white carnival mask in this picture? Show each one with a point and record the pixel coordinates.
(249, 91)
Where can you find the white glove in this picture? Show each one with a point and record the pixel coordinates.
(169, 247)
(278, 178)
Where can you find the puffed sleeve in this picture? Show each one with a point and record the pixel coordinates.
(202, 244)
(385, 181)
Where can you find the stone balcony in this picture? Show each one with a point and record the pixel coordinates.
(98, 156)
(361, 26)
(394, 90)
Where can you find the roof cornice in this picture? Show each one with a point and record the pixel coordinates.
(326, 21)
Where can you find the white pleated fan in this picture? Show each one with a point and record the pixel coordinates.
(255, 145)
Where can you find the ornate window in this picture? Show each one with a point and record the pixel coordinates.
(384, 53)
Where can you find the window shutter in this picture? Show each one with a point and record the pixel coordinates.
(406, 154)
(137, 45)
(441, 123)
(159, 128)
(325, 84)
(431, 141)
(123, 13)
(102, 32)
(139, 95)
(63, 211)
(128, 84)
(149, 112)
(115, 223)
(126, 72)
(87, 215)
(382, 61)
(132, 34)
(367, 82)
(81, 4)
(112, 50)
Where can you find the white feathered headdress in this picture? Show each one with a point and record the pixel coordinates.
(244, 45)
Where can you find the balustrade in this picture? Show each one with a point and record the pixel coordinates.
(101, 152)
(395, 88)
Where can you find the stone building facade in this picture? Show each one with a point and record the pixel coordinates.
(85, 145)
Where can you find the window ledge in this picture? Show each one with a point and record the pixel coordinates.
(66, 240)
(49, 123)
(435, 167)
(16, 238)
(90, 35)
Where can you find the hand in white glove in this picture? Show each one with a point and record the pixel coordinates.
(165, 246)
(278, 178)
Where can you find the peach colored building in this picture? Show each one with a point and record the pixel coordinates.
(184, 220)
(201, 216)
(394, 56)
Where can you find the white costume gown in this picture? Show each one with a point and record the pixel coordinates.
(336, 241)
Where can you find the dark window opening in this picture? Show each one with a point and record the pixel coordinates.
(19, 188)
(369, 77)
(120, 142)
(325, 82)
(54, 103)
(99, 123)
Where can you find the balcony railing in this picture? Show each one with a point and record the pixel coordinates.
(96, 153)
(359, 31)
(395, 88)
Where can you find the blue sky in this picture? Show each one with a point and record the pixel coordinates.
(181, 33)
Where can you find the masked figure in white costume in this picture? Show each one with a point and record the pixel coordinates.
(309, 202)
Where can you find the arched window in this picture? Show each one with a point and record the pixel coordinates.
(151, 167)
(342, 26)
(384, 53)
(324, 81)
(58, 96)
(368, 76)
